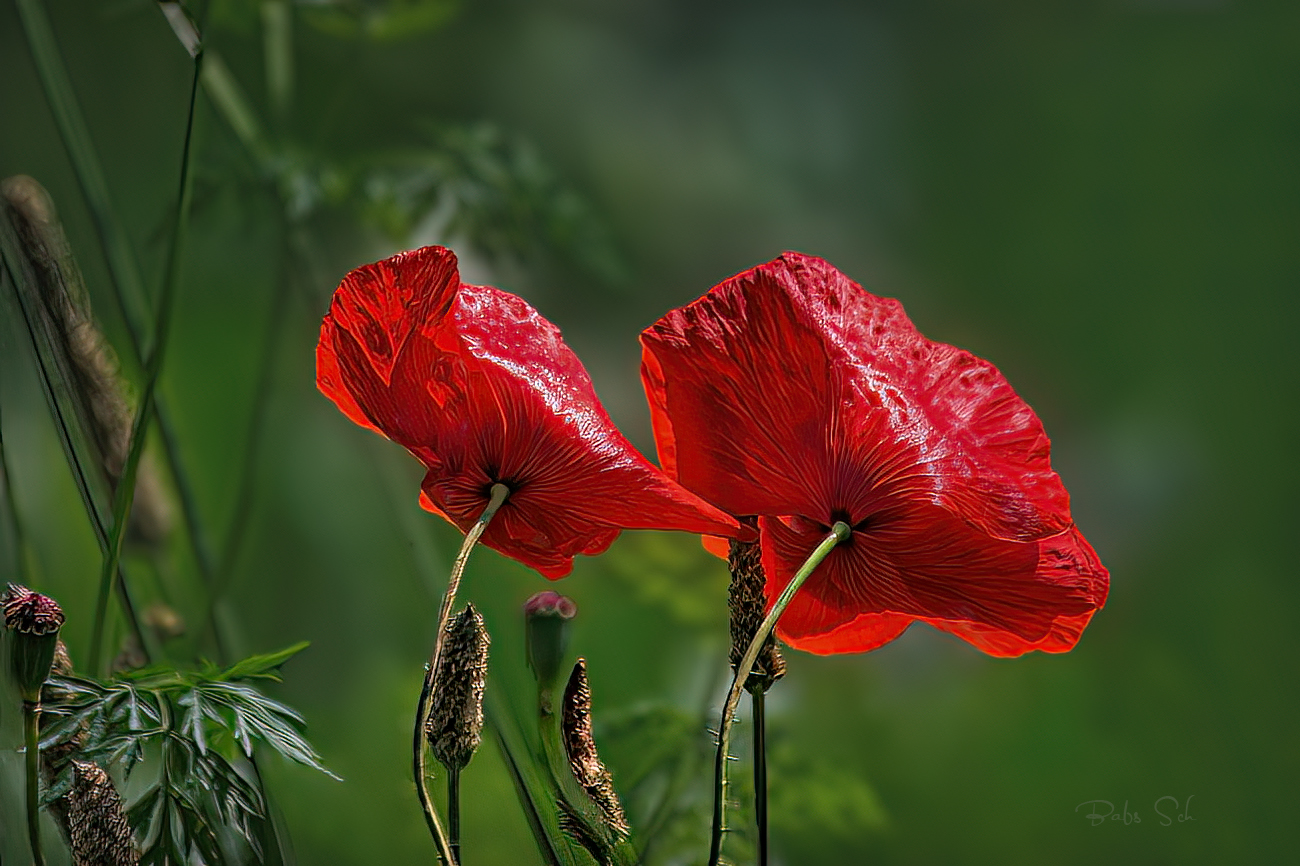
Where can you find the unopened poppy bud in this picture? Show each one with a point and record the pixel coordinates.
(546, 626)
(455, 726)
(588, 769)
(748, 603)
(34, 620)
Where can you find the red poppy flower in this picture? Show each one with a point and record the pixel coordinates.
(790, 393)
(481, 389)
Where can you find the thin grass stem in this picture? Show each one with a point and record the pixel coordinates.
(497, 498)
(125, 492)
(839, 532)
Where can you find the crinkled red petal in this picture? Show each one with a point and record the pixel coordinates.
(788, 389)
(483, 390)
(923, 563)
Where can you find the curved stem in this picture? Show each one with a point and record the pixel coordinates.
(839, 532)
(757, 699)
(31, 717)
(498, 496)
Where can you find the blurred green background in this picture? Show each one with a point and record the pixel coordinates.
(1102, 198)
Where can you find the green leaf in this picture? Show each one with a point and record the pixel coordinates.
(532, 784)
(266, 666)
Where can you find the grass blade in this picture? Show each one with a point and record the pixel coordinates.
(45, 280)
(535, 793)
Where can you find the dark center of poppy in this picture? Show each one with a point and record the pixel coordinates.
(842, 515)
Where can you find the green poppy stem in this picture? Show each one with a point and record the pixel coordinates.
(31, 719)
(757, 697)
(498, 496)
(839, 532)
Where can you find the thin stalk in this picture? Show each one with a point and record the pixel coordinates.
(31, 722)
(123, 269)
(498, 496)
(453, 811)
(839, 532)
(758, 700)
(20, 565)
(125, 492)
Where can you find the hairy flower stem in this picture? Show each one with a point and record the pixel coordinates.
(839, 532)
(498, 496)
(757, 698)
(31, 722)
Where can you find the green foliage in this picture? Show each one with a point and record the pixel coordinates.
(379, 20)
(197, 731)
(478, 182)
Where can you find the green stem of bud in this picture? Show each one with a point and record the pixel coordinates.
(31, 722)
(498, 496)
(839, 532)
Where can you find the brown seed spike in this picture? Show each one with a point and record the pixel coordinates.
(588, 769)
(748, 603)
(455, 726)
(99, 390)
(97, 826)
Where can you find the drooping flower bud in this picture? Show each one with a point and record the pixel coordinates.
(748, 604)
(455, 726)
(546, 627)
(34, 620)
(588, 769)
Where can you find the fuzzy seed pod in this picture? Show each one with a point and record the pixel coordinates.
(588, 769)
(35, 621)
(98, 831)
(455, 726)
(748, 603)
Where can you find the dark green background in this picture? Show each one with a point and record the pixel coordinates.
(1101, 198)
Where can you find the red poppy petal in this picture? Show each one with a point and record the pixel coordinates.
(719, 547)
(553, 437)
(367, 337)
(1062, 636)
(863, 633)
(721, 376)
(1004, 597)
(789, 389)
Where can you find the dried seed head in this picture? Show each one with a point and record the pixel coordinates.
(455, 725)
(748, 603)
(101, 392)
(165, 622)
(96, 822)
(588, 769)
(35, 621)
